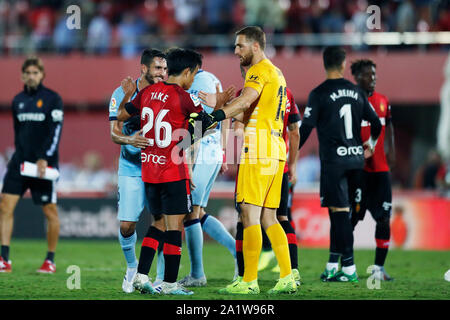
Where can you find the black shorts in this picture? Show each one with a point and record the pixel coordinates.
(376, 195)
(42, 191)
(339, 187)
(170, 198)
(284, 201)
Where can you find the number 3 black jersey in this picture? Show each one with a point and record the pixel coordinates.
(336, 108)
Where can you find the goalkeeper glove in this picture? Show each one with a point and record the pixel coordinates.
(208, 121)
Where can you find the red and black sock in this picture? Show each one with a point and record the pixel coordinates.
(149, 246)
(172, 255)
(239, 254)
(292, 242)
(382, 236)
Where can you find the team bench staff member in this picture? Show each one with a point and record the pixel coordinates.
(38, 118)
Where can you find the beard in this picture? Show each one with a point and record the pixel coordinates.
(247, 60)
(32, 84)
(148, 77)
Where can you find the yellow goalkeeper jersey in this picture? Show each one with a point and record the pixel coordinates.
(263, 133)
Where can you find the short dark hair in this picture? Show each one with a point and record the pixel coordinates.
(33, 61)
(359, 65)
(333, 57)
(254, 33)
(148, 55)
(179, 59)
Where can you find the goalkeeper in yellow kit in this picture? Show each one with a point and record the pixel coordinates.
(261, 107)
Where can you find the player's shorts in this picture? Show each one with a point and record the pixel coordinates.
(340, 188)
(170, 198)
(132, 199)
(284, 201)
(260, 183)
(206, 169)
(42, 191)
(376, 195)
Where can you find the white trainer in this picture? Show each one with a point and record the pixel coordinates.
(142, 283)
(175, 289)
(127, 284)
(190, 281)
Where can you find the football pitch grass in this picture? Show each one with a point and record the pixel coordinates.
(419, 275)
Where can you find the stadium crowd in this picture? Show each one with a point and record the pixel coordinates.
(121, 27)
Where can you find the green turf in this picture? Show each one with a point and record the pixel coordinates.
(418, 274)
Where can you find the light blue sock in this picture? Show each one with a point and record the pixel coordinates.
(215, 229)
(194, 240)
(160, 266)
(128, 248)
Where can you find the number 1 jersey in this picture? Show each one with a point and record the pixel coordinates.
(337, 107)
(164, 110)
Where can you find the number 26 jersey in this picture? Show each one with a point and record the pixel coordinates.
(164, 110)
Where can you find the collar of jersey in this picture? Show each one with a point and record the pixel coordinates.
(32, 91)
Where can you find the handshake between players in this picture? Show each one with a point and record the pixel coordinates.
(198, 122)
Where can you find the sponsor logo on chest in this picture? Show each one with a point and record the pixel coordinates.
(31, 116)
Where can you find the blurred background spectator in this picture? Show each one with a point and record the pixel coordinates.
(432, 170)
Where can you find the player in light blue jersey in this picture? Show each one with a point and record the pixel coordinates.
(207, 165)
(131, 192)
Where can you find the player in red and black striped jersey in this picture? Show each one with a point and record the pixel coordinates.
(376, 195)
(164, 110)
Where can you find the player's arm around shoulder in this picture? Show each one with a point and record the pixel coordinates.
(116, 126)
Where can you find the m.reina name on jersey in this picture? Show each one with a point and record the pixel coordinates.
(344, 93)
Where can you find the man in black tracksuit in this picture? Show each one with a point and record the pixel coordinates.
(38, 118)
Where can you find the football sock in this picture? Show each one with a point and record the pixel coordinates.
(216, 230)
(172, 255)
(251, 249)
(5, 253)
(292, 242)
(160, 264)
(149, 246)
(344, 237)
(280, 247)
(266, 246)
(351, 269)
(382, 236)
(194, 239)
(332, 265)
(50, 256)
(128, 247)
(239, 254)
(334, 250)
